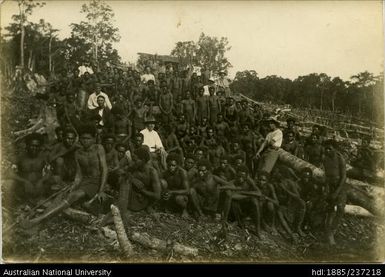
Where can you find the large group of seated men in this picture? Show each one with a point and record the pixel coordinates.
(178, 142)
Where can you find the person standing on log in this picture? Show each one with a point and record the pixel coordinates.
(335, 178)
(270, 146)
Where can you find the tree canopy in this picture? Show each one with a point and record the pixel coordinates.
(208, 52)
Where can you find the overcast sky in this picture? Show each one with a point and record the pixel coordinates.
(287, 38)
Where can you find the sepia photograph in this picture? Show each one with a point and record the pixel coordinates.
(191, 132)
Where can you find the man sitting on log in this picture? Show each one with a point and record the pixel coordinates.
(91, 176)
(175, 186)
(335, 175)
(271, 144)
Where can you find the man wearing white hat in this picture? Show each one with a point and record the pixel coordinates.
(223, 83)
(152, 139)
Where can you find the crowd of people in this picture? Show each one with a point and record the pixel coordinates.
(182, 143)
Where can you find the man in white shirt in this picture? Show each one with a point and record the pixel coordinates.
(93, 99)
(211, 83)
(153, 141)
(147, 75)
(270, 146)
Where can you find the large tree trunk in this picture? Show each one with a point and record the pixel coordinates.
(359, 193)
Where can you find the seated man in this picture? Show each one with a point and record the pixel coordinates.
(31, 183)
(268, 203)
(62, 157)
(152, 139)
(175, 186)
(270, 146)
(314, 195)
(191, 169)
(224, 170)
(243, 199)
(142, 188)
(91, 176)
(291, 205)
(112, 160)
(205, 192)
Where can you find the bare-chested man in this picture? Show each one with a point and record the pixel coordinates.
(335, 175)
(214, 106)
(30, 182)
(202, 105)
(237, 197)
(62, 157)
(189, 109)
(112, 159)
(205, 190)
(175, 185)
(142, 188)
(166, 103)
(91, 175)
(121, 125)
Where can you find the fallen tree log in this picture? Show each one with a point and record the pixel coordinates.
(146, 240)
(369, 197)
(357, 211)
(124, 243)
(154, 243)
(78, 215)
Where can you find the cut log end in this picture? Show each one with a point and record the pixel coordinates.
(123, 240)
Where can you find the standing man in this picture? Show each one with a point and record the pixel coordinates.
(335, 175)
(92, 99)
(270, 146)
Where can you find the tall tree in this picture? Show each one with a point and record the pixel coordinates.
(98, 30)
(21, 20)
(363, 83)
(208, 52)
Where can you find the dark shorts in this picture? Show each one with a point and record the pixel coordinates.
(90, 186)
(172, 204)
(137, 201)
